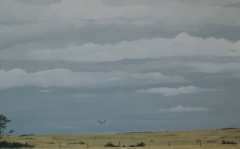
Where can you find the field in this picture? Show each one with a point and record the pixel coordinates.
(153, 140)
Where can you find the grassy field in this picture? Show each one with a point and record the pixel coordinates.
(153, 140)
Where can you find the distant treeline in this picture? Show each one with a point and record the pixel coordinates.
(5, 144)
(227, 128)
(24, 135)
(110, 144)
(139, 132)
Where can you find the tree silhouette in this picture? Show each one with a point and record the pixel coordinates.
(3, 125)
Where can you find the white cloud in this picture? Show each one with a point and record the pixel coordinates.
(180, 108)
(174, 91)
(68, 78)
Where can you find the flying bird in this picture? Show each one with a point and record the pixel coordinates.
(102, 122)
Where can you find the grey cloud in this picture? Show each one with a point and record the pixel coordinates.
(229, 32)
(41, 2)
(161, 13)
(208, 3)
(167, 65)
(181, 45)
(122, 3)
(234, 5)
(214, 67)
(63, 35)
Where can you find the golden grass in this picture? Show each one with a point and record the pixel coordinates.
(153, 140)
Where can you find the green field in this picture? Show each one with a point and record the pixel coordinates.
(153, 140)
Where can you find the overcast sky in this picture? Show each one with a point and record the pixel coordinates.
(142, 65)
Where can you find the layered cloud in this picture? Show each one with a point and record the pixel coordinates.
(62, 23)
(180, 108)
(68, 78)
(174, 91)
(181, 45)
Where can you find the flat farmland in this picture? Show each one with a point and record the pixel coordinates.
(153, 140)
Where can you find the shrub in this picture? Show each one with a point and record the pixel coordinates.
(132, 145)
(5, 144)
(109, 144)
(73, 143)
(228, 142)
(141, 144)
(81, 142)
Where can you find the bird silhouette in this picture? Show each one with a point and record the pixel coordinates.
(101, 121)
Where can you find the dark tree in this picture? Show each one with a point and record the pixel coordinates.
(3, 125)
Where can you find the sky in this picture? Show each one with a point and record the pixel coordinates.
(141, 65)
